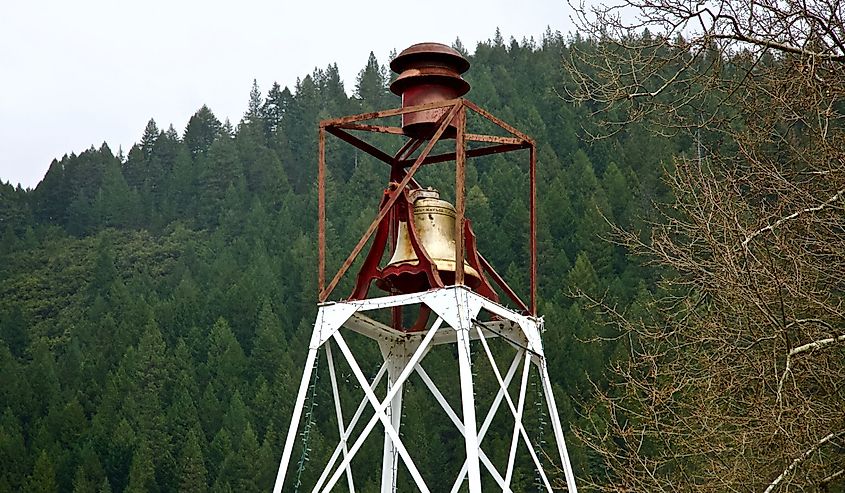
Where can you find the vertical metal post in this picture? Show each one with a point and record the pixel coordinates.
(339, 413)
(467, 394)
(561, 443)
(523, 387)
(321, 214)
(294, 420)
(460, 206)
(396, 357)
(532, 208)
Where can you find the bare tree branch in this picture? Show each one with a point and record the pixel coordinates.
(811, 346)
(801, 458)
(794, 215)
(737, 364)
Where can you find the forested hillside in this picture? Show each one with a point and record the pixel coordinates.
(155, 307)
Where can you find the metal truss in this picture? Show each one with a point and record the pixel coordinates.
(405, 163)
(457, 310)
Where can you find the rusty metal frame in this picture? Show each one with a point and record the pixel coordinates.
(454, 110)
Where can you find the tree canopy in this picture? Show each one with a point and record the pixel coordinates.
(155, 308)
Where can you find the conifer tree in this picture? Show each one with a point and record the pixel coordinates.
(193, 477)
(105, 487)
(43, 477)
(371, 85)
(142, 472)
(202, 130)
(12, 449)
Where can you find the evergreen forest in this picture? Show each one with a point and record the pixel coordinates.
(156, 306)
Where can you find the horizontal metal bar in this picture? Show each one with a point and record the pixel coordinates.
(386, 113)
(482, 151)
(495, 139)
(383, 129)
(373, 329)
(386, 129)
(360, 144)
(486, 114)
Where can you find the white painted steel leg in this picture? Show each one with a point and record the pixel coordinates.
(294, 421)
(518, 422)
(494, 408)
(561, 443)
(395, 355)
(390, 457)
(328, 469)
(468, 407)
(518, 418)
(339, 413)
(379, 407)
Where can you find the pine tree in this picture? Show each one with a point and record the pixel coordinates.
(82, 483)
(270, 344)
(142, 473)
(148, 140)
(12, 449)
(226, 360)
(371, 85)
(43, 477)
(193, 476)
(105, 487)
(202, 130)
(252, 120)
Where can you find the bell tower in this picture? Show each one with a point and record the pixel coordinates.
(424, 260)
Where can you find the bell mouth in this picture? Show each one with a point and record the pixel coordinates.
(409, 277)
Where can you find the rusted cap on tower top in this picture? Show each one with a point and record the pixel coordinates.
(428, 73)
(428, 52)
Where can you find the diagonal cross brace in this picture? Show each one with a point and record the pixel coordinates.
(494, 408)
(379, 407)
(460, 426)
(344, 439)
(518, 422)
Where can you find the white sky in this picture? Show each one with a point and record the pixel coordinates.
(78, 73)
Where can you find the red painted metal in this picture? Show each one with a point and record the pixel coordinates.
(532, 235)
(481, 151)
(474, 260)
(321, 215)
(390, 201)
(428, 72)
(460, 192)
(373, 115)
(432, 110)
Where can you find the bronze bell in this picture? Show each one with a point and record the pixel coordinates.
(434, 221)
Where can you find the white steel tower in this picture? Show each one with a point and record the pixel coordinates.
(457, 308)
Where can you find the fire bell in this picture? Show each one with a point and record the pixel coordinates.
(420, 225)
(434, 222)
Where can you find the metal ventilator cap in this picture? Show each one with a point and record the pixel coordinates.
(428, 73)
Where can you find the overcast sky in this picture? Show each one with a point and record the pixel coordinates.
(79, 73)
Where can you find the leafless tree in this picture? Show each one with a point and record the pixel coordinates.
(736, 380)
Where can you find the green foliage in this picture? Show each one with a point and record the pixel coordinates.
(155, 310)
(43, 477)
(193, 476)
